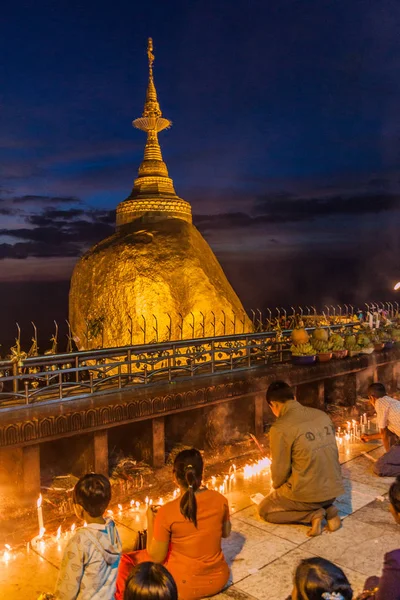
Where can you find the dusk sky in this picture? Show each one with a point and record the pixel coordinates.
(285, 136)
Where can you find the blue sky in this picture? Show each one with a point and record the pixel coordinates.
(285, 128)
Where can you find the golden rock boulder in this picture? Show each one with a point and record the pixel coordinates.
(160, 281)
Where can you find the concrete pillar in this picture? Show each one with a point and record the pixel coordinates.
(31, 470)
(386, 375)
(259, 400)
(100, 451)
(321, 394)
(308, 394)
(158, 441)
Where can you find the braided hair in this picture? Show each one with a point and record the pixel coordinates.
(188, 469)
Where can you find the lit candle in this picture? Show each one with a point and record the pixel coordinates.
(40, 512)
(120, 508)
(137, 505)
(58, 535)
(146, 500)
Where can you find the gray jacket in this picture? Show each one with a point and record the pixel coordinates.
(305, 459)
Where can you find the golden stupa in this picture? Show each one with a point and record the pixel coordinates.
(156, 278)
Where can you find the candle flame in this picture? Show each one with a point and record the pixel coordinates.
(73, 527)
(8, 546)
(120, 507)
(160, 501)
(137, 503)
(256, 468)
(39, 501)
(58, 533)
(84, 524)
(397, 286)
(146, 499)
(132, 503)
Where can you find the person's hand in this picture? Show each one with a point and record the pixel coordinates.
(152, 510)
(365, 437)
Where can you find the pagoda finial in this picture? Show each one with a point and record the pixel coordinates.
(150, 55)
(152, 116)
(153, 195)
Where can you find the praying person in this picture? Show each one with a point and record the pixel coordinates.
(150, 581)
(388, 420)
(318, 579)
(387, 587)
(305, 467)
(185, 534)
(91, 557)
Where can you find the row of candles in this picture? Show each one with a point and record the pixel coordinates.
(224, 485)
(349, 433)
(353, 430)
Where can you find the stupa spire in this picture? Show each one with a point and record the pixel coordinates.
(153, 194)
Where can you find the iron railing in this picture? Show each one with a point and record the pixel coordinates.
(61, 377)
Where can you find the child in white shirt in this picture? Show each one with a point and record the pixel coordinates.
(90, 563)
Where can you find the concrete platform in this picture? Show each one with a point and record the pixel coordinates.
(262, 556)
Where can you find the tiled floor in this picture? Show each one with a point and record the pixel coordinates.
(262, 556)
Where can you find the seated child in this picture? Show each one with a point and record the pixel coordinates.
(150, 581)
(90, 563)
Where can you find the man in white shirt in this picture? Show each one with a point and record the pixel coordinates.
(388, 420)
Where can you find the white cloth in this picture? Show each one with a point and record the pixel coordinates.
(388, 414)
(90, 562)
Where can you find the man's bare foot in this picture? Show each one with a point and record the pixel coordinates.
(316, 527)
(334, 524)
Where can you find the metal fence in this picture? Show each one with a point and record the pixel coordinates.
(60, 377)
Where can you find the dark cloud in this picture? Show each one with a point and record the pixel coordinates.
(23, 250)
(273, 210)
(305, 208)
(45, 199)
(56, 232)
(80, 232)
(50, 215)
(6, 212)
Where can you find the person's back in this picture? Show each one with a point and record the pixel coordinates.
(90, 563)
(306, 436)
(199, 547)
(185, 534)
(388, 413)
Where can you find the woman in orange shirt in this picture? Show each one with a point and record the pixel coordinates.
(185, 535)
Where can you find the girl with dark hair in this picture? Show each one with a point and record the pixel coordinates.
(319, 579)
(185, 534)
(150, 581)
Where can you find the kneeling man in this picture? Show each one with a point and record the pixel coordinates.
(388, 418)
(305, 468)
